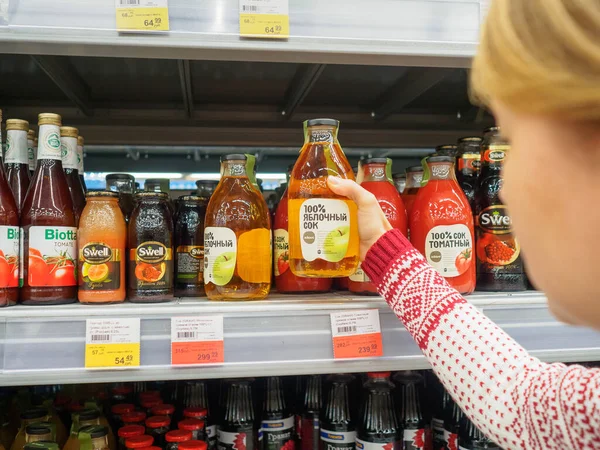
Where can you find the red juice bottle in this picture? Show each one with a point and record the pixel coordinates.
(441, 225)
(414, 176)
(16, 159)
(410, 393)
(338, 422)
(68, 139)
(375, 175)
(277, 423)
(309, 416)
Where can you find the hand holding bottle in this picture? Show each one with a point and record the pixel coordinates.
(372, 223)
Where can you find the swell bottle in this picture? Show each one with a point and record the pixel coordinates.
(16, 159)
(338, 423)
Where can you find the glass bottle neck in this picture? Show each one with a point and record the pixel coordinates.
(16, 147)
(374, 172)
(441, 171)
(413, 179)
(322, 133)
(234, 169)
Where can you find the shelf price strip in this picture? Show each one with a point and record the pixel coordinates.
(264, 19)
(142, 15)
(197, 340)
(112, 343)
(356, 334)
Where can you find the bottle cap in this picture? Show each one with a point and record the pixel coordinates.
(158, 421)
(34, 413)
(234, 157)
(89, 414)
(398, 176)
(133, 417)
(327, 122)
(49, 119)
(178, 436)
(414, 169)
(191, 424)
(475, 139)
(109, 194)
(150, 195)
(80, 140)
(436, 159)
(139, 441)
(379, 374)
(129, 431)
(122, 408)
(195, 413)
(163, 410)
(17, 124)
(69, 132)
(119, 177)
(193, 445)
(37, 429)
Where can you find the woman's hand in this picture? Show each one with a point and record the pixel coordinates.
(372, 223)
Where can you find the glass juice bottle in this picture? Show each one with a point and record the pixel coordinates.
(31, 151)
(49, 225)
(68, 140)
(414, 176)
(16, 159)
(323, 228)
(124, 185)
(80, 142)
(237, 237)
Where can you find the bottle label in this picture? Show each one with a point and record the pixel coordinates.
(9, 256)
(255, 256)
(235, 441)
(80, 159)
(324, 229)
(415, 439)
(151, 266)
(495, 154)
(52, 256)
(68, 152)
(321, 136)
(16, 147)
(278, 434)
(497, 248)
(364, 445)
(190, 264)
(281, 255)
(220, 255)
(100, 267)
(30, 154)
(449, 249)
(49, 142)
(338, 440)
(360, 276)
(450, 440)
(469, 161)
(211, 436)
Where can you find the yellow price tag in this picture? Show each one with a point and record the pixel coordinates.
(112, 356)
(112, 343)
(142, 15)
(264, 18)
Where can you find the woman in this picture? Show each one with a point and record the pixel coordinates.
(538, 69)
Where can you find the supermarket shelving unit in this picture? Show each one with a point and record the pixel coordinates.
(394, 72)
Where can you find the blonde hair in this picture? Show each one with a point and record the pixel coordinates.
(541, 56)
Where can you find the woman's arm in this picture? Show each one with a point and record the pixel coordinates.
(514, 398)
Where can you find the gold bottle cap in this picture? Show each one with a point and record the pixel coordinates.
(49, 119)
(17, 124)
(31, 135)
(69, 132)
(80, 140)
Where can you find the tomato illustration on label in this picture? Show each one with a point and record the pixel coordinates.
(50, 270)
(463, 260)
(283, 263)
(289, 445)
(239, 442)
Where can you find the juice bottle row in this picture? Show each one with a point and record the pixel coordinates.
(375, 411)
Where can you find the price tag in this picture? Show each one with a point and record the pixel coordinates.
(356, 334)
(197, 340)
(112, 343)
(264, 19)
(142, 15)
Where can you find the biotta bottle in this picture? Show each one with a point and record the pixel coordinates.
(338, 424)
(17, 168)
(68, 140)
(237, 427)
(410, 391)
(277, 423)
(378, 427)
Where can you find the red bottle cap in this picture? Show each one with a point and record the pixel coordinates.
(122, 408)
(163, 410)
(153, 447)
(379, 374)
(178, 436)
(122, 390)
(193, 445)
(195, 413)
(146, 395)
(133, 417)
(139, 441)
(131, 431)
(150, 402)
(191, 424)
(158, 421)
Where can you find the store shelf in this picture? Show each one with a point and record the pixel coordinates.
(383, 32)
(284, 335)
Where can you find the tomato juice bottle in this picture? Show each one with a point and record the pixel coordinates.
(49, 225)
(189, 247)
(150, 242)
(414, 177)
(31, 151)
(80, 169)
(441, 225)
(102, 244)
(68, 139)
(237, 237)
(499, 263)
(375, 175)
(468, 164)
(16, 159)
(323, 228)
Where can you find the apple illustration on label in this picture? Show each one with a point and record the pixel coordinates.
(223, 268)
(336, 242)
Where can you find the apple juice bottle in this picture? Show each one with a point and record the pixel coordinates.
(237, 237)
(323, 230)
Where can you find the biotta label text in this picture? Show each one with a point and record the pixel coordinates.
(338, 440)
(220, 252)
(324, 229)
(449, 249)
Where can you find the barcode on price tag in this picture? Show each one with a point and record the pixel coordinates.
(197, 340)
(356, 334)
(142, 15)
(112, 343)
(264, 18)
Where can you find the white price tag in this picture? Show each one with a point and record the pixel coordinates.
(197, 340)
(112, 343)
(356, 334)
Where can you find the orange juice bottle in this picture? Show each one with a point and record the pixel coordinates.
(237, 237)
(323, 228)
(101, 242)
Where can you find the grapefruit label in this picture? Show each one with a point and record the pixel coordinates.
(99, 267)
(152, 265)
(220, 255)
(52, 256)
(281, 252)
(449, 249)
(9, 256)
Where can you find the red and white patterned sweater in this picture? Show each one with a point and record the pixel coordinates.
(517, 400)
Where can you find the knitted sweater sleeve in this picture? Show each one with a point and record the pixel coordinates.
(511, 396)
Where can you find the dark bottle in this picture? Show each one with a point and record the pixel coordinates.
(452, 417)
(158, 427)
(378, 427)
(189, 247)
(277, 423)
(439, 400)
(68, 139)
(446, 150)
(237, 426)
(309, 417)
(157, 185)
(124, 184)
(49, 225)
(150, 240)
(338, 422)
(16, 159)
(468, 164)
(206, 188)
(80, 169)
(499, 263)
(470, 438)
(197, 405)
(410, 392)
